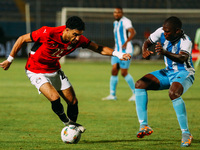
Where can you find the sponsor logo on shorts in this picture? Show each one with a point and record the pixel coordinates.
(38, 80)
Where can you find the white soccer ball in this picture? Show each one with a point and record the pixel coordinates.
(71, 134)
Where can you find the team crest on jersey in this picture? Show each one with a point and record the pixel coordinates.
(175, 49)
(69, 47)
(53, 45)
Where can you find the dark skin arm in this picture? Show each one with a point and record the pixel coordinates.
(145, 51)
(180, 58)
(132, 34)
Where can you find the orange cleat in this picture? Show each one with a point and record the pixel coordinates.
(186, 140)
(146, 130)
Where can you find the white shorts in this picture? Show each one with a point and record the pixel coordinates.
(57, 79)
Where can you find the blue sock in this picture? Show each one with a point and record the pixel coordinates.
(141, 105)
(113, 84)
(179, 107)
(130, 81)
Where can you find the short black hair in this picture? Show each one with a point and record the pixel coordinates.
(119, 7)
(75, 22)
(175, 21)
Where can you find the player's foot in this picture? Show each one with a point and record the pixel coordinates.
(110, 98)
(186, 140)
(79, 126)
(132, 98)
(144, 130)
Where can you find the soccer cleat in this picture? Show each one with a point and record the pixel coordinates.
(146, 130)
(110, 98)
(186, 140)
(132, 98)
(79, 126)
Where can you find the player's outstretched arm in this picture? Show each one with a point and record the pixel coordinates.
(5, 64)
(17, 46)
(104, 50)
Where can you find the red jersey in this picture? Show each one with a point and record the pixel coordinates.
(49, 47)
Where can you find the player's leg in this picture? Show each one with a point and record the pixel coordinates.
(72, 110)
(42, 83)
(148, 82)
(180, 85)
(124, 65)
(175, 91)
(52, 95)
(72, 103)
(66, 91)
(154, 81)
(64, 88)
(129, 79)
(141, 101)
(113, 79)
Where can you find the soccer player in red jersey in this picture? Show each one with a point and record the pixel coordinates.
(43, 68)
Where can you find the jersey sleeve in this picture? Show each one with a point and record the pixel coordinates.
(40, 34)
(186, 46)
(84, 42)
(155, 36)
(127, 24)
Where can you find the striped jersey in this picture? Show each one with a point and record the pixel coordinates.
(182, 44)
(121, 34)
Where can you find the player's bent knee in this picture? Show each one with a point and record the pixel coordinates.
(173, 94)
(73, 101)
(138, 84)
(124, 74)
(52, 97)
(114, 73)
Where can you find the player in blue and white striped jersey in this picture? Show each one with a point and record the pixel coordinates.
(123, 34)
(182, 44)
(178, 75)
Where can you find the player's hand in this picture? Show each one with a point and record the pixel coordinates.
(126, 57)
(159, 49)
(5, 64)
(146, 53)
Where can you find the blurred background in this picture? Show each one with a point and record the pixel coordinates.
(18, 17)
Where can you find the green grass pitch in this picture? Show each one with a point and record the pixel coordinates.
(28, 123)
